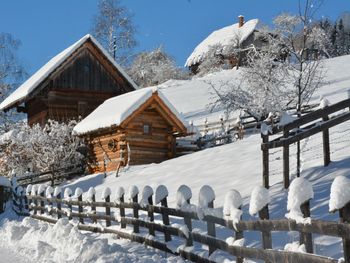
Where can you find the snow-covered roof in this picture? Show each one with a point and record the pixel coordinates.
(232, 35)
(34, 81)
(115, 110)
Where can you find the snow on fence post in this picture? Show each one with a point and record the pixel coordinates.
(79, 195)
(133, 197)
(259, 202)
(161, 197)
(92, 198)
(183, 199)
(106, 195)
(58, 195)
(340, 201)
(206, 200)
(299, 196)
(48, 194)
(120, 198)
(233, 210)
(146, 200)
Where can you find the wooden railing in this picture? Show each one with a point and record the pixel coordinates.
(310, 124)
(151, 223)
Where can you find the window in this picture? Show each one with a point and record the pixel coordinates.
(147, 128)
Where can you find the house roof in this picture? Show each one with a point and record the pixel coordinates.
(114, 111)
(22, 92)
(229, 36)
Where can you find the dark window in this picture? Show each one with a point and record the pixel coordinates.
(147, 128)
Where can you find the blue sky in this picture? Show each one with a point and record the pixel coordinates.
(46, 27)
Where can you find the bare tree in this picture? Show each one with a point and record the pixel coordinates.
(114, 28)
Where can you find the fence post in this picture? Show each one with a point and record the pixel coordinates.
(239, 235)
(266, 235)
(58, 196)
(188, 223)
(161, 197)
(79, 195)
(265, 161)
(286, 162)
(326, 148)
(93, 207)
(136, 213)
(106, 195)
(306, 238)
(150, 214)
(122, 210)
(35, 201)
(211, 229)
(67, 195)
(344, 214)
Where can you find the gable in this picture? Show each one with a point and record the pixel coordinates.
(150, 109)
(52, 69)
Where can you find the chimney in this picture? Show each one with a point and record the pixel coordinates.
(240, 21)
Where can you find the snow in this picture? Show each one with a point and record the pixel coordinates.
(161, 193)
(227, 37)
(106, 192)
(91, 193)
(183, 195)
(117, 109)
(33, 82)
(265, 129)
(231, 241)
(232, 206)
(5, 181)
(119, 193)
(340, 194)
(295, 247)
(49, 191)
(34, 190)
(147, 192)
(259, 199)
(19, 190)
(57, 191)
(35, 241)
(300, 191)
(67, 193)
(324, 103)
(29, 189)
(285, 119)
(206, 195)
(132, 192)
(78, 192)
(41, 189)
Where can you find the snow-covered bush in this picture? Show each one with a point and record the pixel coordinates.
(155, 67)
(39, 148)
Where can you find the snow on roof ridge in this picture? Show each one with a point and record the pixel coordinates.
(31, 84)
(115, 110)
(225, 36)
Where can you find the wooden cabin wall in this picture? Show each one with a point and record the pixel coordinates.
(77, 88)
(148, 148)
(103, 158)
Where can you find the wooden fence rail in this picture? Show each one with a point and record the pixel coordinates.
(140, 216)
(320, 120)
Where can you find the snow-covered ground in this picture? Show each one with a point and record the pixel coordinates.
(233, 166)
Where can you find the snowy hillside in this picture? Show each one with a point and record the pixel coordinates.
(238, 165)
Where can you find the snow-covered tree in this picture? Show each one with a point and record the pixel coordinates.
(39, 148)
(155, 67)
(114, 28)
(284, 73)
(11, 73)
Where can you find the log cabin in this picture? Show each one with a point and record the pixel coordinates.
(229, 45)
(138, 127)
(71, 85)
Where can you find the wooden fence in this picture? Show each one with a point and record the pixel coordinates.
(55, 177)
(152, 223)
(310, 124)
